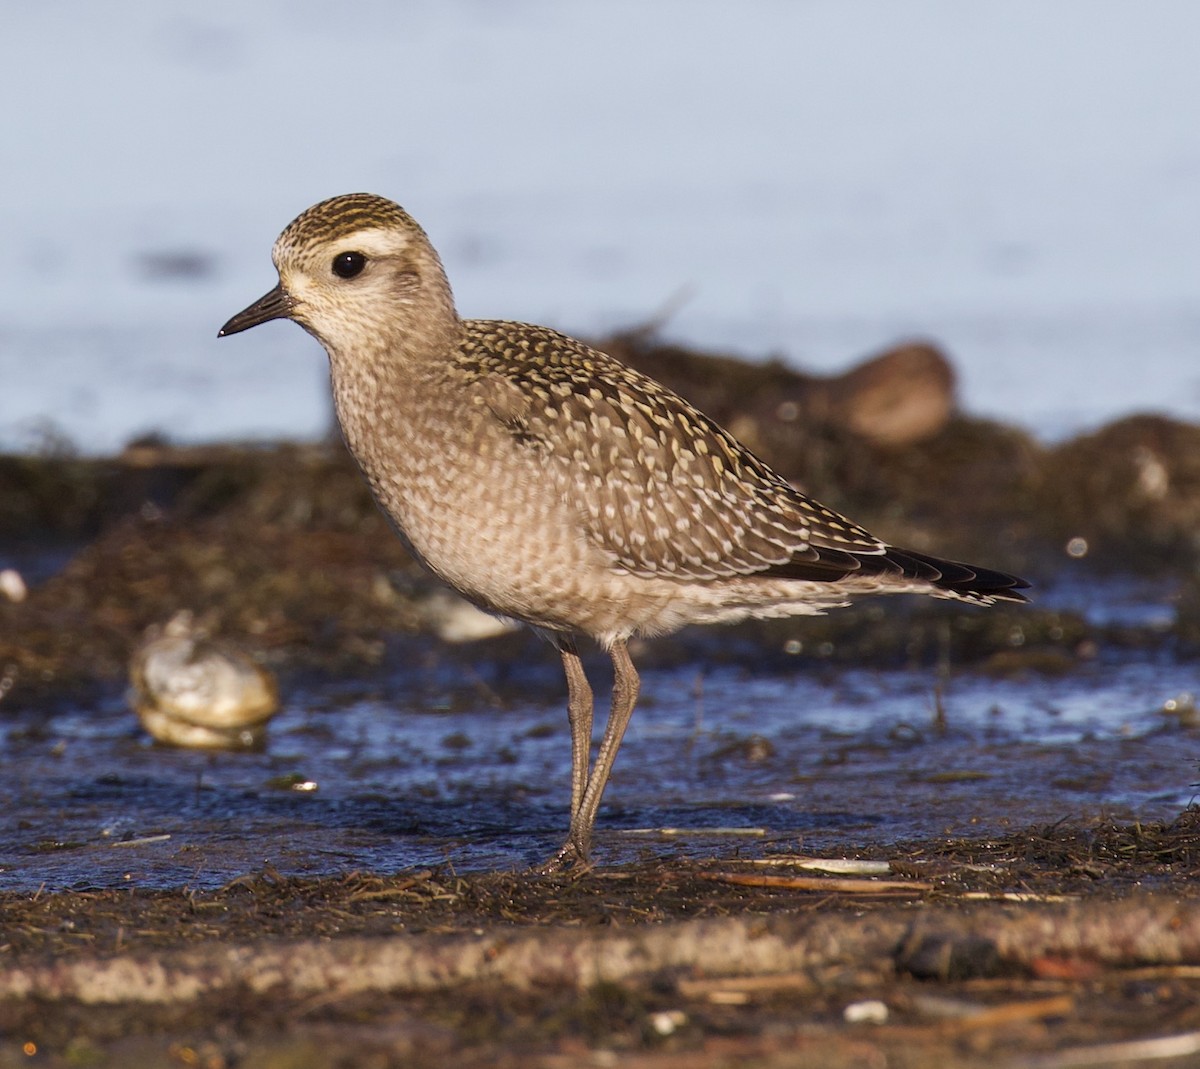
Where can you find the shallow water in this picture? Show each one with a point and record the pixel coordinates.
(384, 780)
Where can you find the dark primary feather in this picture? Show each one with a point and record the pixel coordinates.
(966, 581)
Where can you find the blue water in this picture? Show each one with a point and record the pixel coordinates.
(815, 179)
(733, 759)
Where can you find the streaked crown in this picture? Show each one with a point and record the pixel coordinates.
(340, 217)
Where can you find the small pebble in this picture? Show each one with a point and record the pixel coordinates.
(869, 1011)
(12, 586)
(1183, 708)
(667, 1022)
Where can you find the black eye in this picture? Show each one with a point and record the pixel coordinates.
(348, 264)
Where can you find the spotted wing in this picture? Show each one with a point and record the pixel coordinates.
(659, 485)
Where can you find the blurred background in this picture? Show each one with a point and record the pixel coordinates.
(1018, 182)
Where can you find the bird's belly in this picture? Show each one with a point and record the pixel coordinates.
(547, 573)
(504, 540)
(495, 527)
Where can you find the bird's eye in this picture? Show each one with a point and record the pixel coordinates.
(348, 264)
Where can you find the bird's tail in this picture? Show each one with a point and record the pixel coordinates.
(966, 581)
(947, 578)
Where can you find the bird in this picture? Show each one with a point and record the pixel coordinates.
(545, 481)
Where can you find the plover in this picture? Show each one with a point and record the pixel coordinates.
(550, 483)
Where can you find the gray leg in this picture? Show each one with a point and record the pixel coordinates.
(625, 695)
(579, 715)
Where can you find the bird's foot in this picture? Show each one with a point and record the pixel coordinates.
(572, 857)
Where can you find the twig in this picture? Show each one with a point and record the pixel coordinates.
(1134, 1050)
(818, 883)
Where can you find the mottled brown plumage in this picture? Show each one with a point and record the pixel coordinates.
(548, 482)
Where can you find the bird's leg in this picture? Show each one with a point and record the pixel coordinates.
(625, 695)
(579, 715)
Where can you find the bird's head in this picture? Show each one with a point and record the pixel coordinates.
(358, 273)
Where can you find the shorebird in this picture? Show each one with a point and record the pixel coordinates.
(548, 482)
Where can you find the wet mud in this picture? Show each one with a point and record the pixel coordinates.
(1003, 766)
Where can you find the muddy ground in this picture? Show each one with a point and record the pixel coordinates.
(1052, 947)
(1057, 941)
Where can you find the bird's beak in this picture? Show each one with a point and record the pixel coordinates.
(277, 304)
